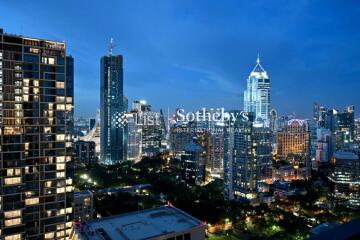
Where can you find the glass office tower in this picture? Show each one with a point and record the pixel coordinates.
(36, 189)
(257, 93)
(113, 135)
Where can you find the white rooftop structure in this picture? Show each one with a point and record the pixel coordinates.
(156, 223)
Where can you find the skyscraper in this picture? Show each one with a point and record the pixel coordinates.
(36, 190)
(257, 93)
(112, 110)
(248, 157)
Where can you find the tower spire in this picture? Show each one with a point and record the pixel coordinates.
(111, 46)
(258, 59)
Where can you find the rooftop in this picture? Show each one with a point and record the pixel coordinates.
(350, 230)
(138, 225)
(346, 155)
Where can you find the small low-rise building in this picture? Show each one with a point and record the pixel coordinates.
(165, 222)
(83, 206)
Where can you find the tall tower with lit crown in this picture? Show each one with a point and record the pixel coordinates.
(257, 93)
(113, 128)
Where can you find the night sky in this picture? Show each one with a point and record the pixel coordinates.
(194, 54)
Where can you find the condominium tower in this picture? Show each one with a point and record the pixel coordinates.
(35, 114)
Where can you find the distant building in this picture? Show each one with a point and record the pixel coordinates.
(273, 119)
(180, 135)
(293, 144)
(342, 125)
(84, 152)
(112, 110)
(93, 134)
(217, 151)
(331, 231)
(289, 173)
(92, 123)
(83, 206)
(147, 128)
(357, 131)
(257, 93)
(153, 224)
(325, 145)
(134, 138)
(193, 164)
(346, 178)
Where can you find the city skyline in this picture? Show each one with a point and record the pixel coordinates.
(215, 66)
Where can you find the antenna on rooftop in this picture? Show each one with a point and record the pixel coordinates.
(111, 46)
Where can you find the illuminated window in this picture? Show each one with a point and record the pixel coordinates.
(31, 201)
(48, 184)
(11, 181)
(60, 174)
(60, 84)
(60, 137)
(50, 235)
(69, 210)
(60, 234)
(60, 159)
(60, 106)
(34, 50)
(11, 222)
(60, 190)
(26, 82)
(13, 237)
(69, 107)
(60, 99)
(12, 214)
(12, 130)
(60, 166)
(48, 60)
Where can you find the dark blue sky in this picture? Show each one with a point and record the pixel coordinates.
(194, 54)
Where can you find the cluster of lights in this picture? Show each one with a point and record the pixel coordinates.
(88, 179)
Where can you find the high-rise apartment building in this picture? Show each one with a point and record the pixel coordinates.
(112, 110)
(36, 189)
(257, 93)
(248, 157)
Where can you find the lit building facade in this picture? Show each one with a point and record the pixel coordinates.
(248, 157)
(134, 138)
(257, 93)
(342, 125)
(346, 178)
(293, 144)
(146, 128)
(113, 137)
(193, 163)
(36, 189)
